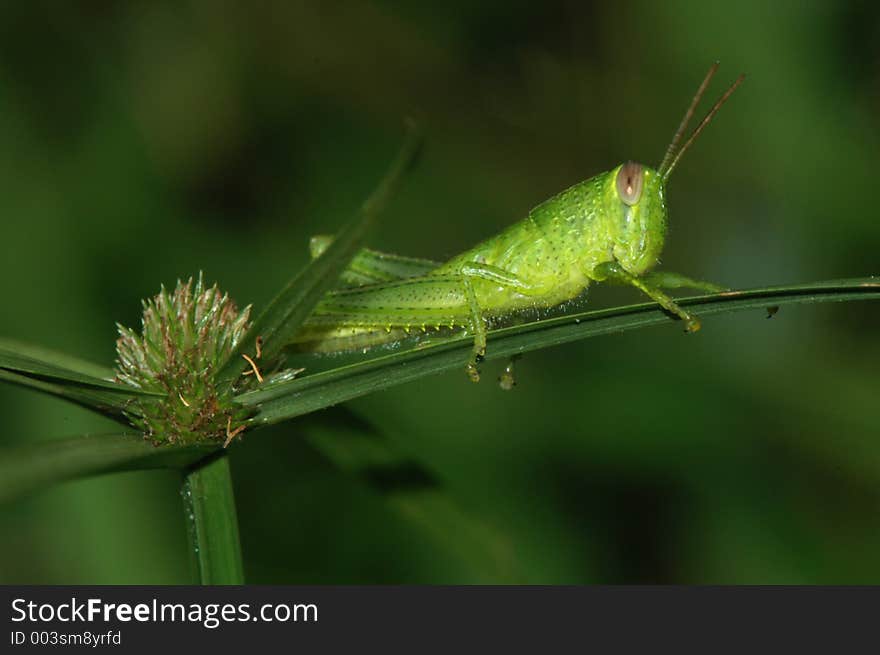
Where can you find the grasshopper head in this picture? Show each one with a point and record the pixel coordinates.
(638, 193)
(638, 214)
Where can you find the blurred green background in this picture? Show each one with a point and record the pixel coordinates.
(145, 141)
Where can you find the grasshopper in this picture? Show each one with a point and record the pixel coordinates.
(608, 228)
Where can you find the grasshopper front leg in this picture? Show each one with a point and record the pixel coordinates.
(613, 272)
(670, 280)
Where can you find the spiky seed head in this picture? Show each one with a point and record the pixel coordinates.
(186, 335)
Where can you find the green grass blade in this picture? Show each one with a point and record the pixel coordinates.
(41, 363)
(212, 523)
(414, 493)
(24, 469)
(278, 322)
(10, 347)
(81, 382)
(103, 401)
(300, 396)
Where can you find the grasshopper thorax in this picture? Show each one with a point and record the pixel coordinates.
(637, 215)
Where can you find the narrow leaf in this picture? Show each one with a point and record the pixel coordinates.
(103, 401)
(27, 468)
(44, 364)
(81, 382)
(285, 400)
(280, 320)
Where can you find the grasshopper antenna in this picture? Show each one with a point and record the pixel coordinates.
(669, 160)
(687, 116)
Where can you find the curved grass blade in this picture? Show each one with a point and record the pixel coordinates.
(84, 383)
(9, 347)
(28, 468)
(47, 365)
(277, 323)
(300, 396)
(103, 401)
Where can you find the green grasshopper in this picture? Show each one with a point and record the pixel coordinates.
(610, 227)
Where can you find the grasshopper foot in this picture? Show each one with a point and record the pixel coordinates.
(507, 379)
(477, 357)
(692, 324)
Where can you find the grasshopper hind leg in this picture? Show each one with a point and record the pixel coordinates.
(371, 266)
(377, 314)
(409, 292)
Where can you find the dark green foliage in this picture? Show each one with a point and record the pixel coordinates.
(142, 142)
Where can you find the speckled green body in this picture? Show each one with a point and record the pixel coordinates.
(544, 260)
(610, 227)
(556, 248)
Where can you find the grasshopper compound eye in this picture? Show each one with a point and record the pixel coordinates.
(629, 182)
